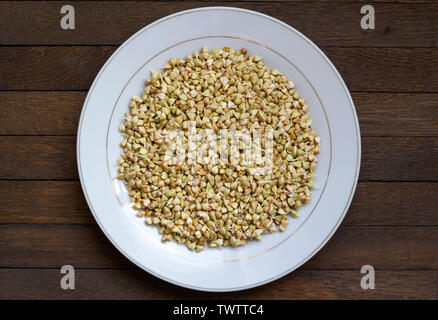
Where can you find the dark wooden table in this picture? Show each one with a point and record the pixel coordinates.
(392, 224)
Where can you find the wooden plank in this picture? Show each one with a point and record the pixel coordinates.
(46, 246)
(401, 203)
(384, 69)
(51, 68)
(75, 67)
(383, 158)
(137, 284)
(374, 203)
(397, 114)
(43, 202)
(283, 1)
(85, 246)
(40, 112)
(101, 22)
(36, 157)
(57, 113)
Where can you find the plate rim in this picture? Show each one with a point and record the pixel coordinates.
(358, 137)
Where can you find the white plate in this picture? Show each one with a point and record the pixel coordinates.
(334, 119)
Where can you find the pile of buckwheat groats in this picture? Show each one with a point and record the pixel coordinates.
(217, 200)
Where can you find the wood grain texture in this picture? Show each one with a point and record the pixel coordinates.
(137, 284)
(85, 246)
(62, 202)
(397, 114)
(393, 29)
(57, 113)
(383, 69)
(75, 67)
(401, 203)
(40, 112)
(43, 202)
(392, 223)
(51, 68)
(383, 158)
(38, 157)
(282, 1)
